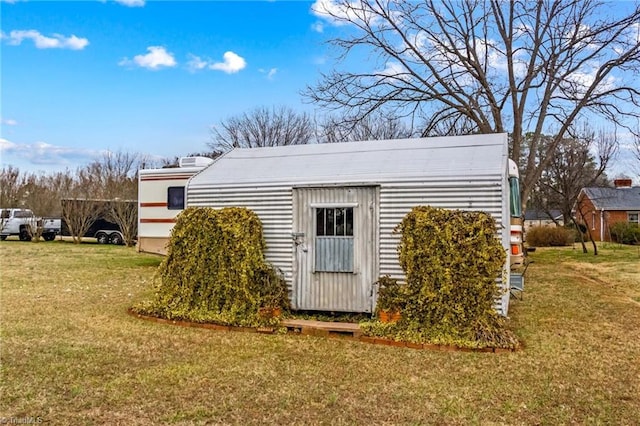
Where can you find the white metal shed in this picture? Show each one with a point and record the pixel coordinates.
(329, 210)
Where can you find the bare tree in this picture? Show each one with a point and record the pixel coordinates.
(80, 209)
(520, 67)
(43, 192)
(575, 166)
(115, 177)
(125, 214)
(636, 151)
(377, 126)
(262, 127)
(11, 187)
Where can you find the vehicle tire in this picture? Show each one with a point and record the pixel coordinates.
(49, 237)
(116, 239)
(102, 238)
(3, 237)
(25, 235)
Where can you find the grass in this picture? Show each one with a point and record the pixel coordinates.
(70, 353)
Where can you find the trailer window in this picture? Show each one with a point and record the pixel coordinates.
(175, 198)
(514, 197)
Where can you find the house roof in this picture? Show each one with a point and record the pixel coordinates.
(542, 215)
(358, 162)
(614, 198)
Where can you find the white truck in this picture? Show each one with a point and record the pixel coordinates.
(26, 225)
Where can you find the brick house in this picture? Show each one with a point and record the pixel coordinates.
(599, 208)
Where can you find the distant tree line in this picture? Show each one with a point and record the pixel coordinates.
(581, 160)
(535, 70)
(112, 177)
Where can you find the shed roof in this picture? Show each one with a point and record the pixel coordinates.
(614, 198)
(360, 162)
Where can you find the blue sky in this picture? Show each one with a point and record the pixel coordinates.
(151, 77)
(79, 78)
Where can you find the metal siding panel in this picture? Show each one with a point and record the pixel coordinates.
(276, 222)
(334, 254)
(397, 199)
(274, 205)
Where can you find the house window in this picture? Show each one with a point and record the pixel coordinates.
(593, 220)
(633, 217)
(175, 198)
(334, 239)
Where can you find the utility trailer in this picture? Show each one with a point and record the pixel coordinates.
(103, 227)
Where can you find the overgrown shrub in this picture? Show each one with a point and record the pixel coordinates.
(625, 233)
(550, 236)
(451, 260)
(215, 270)
(391, 295)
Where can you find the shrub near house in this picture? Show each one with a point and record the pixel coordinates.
(215, 270)
(451, 260)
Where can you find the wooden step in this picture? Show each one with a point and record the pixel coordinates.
(323, 328)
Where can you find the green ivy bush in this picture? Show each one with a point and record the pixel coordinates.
(215, 270)
(550, 236)
(391, 296)
(625, 233)
(451, 260)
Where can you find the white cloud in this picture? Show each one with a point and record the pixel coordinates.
(55, 41)
(157, 58)
(196, 63)
(317, 27)
(393, 69)
(232, 63)
(42, 153)
(579, 82)
(8, 122)
(271, 73)
(330, 11)
(320, 60)
(339, 13)
(131, 3)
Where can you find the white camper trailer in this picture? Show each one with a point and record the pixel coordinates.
(160, 199)
(329, 210)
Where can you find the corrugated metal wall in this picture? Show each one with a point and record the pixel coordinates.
(396, 200)
(334, 254)
(273, 204)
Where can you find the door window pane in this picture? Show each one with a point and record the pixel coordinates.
(334, 222)
(334, 239)
(320, 213)
(349, 222)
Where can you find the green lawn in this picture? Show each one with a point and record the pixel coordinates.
(71, 354)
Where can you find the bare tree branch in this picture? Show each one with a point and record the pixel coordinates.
(262, 127)
(528, 68)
